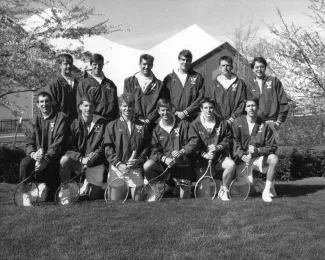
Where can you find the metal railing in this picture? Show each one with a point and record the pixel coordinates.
(9, 125)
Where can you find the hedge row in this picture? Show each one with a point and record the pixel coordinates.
(294, 163)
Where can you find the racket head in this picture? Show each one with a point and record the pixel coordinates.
(154, 190)
(205, 187)
(68, 193)
(117, 191)
(239, 188)
(26, 194)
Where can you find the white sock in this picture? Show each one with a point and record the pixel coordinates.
(272, 185)
(268, 186)
(224, 188)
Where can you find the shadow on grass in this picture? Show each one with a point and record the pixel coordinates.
(294, 190)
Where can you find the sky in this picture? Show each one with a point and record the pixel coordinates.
(153, 21)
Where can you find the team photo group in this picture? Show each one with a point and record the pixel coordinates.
(156, 136)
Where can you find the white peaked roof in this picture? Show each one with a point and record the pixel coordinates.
(192, 38)
(123, 61)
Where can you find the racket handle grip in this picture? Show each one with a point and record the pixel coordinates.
(134, 153)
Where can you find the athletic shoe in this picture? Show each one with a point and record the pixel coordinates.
(26, 200)
(266, 196)
(64, 196)
(84, 190)
(42, 191)
(223, 194)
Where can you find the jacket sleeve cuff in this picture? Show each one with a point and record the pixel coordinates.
(117, 164)
(185, 113)
(47, 158)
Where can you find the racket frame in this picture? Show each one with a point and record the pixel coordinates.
(24, 182)
(241, 175)
(210, 176)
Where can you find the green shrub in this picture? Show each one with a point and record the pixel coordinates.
(298, 163)
(9, 163)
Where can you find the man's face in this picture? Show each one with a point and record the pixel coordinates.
(251, 108)
(126, 110)
(66, 67)
(207, 110)
(44, 104)
(165, 113)
(225, 68)
(86, 108)
(259, 70)
(97, 68)
(184, 63)
(145, 67)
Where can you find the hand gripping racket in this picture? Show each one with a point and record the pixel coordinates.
(206, 186)
(240, 187)
(26, 193)
(154, 190)
(118, 188)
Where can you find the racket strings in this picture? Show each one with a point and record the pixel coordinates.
(117, 190)
(26, 194)
(67, 193)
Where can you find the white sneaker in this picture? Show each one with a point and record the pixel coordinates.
(223, 194)
(64, 196)
(85, 188)
(26, 200)
(266, 196)
(43, 191)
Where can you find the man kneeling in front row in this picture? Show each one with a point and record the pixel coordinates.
(255, 146)
(86, 149)
(45, 139)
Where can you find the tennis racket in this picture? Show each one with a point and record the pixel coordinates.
(118, 188)
(26, 193)
(206, 186)
(154, 190)
(240, 187)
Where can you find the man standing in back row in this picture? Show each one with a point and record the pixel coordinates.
(147, 90)
(185, 88)
(273, 103)
(101, 89)
(228, 91)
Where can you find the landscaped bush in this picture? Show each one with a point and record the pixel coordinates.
(298, 163)
(294, 163)
(9, 163)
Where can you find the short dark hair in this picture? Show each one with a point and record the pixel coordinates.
(254, 99)
(226, 58)
(64, 56)
(87, 98)
(164, 103)
(260, 60)
(185, 53)
(207, 100)
(127, 98)
(146, 57)
(96, 57)
(44, 94)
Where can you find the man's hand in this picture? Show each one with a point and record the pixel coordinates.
(180, 115)
(122, 168)
(209, 156)
(38, 156)
(170, 161)
(41, 166)
(247, 158)
(252, 150)
(176, 154)
(85, 161)
(132, 163)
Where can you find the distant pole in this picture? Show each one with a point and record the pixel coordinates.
(17, 126)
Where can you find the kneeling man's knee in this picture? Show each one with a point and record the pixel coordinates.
(64, 160)
(273, 159)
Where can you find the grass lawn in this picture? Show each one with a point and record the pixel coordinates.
(292, 227)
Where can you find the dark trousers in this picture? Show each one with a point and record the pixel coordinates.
(50, 175)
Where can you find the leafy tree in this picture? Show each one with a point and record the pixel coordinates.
(27, 59)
